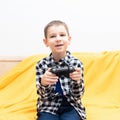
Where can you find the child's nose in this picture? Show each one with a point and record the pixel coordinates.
(58, 37)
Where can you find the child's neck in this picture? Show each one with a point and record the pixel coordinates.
(59, 56)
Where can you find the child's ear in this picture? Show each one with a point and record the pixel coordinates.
(45, 42)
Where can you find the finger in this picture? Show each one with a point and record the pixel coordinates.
(52, 79)
(51, 75)
(77, 69)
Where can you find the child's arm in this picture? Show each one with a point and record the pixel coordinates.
(77, 82)
(44, 81)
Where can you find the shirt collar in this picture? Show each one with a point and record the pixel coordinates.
(66, 59)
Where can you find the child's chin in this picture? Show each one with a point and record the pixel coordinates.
(60, 51)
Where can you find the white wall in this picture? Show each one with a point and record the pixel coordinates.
(94, 24)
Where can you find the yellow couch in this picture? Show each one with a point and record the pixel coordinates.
(102, 87)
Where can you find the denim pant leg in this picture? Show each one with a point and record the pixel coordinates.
(70, 115)
(47, 116)
(68, 112)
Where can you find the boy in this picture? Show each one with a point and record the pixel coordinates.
(59, 90)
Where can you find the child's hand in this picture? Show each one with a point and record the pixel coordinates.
(49, 78)
(76, 75)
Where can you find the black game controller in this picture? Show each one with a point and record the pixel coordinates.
(62, 70)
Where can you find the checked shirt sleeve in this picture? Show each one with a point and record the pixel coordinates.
(43, 91)
(77, 88)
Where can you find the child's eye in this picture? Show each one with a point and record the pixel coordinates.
(63, 35)
(52, 36)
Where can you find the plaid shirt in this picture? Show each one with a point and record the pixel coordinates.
(48, 100)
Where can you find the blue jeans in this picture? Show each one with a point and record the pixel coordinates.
(65, 113)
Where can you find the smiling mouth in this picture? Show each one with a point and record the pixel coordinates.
(59, 45)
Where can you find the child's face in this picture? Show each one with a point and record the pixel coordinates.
(57, 39)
